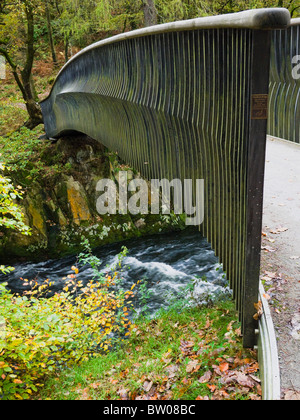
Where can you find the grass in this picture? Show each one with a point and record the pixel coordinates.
(193, 355)
(13, 112)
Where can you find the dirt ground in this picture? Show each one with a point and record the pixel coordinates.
(281, 256)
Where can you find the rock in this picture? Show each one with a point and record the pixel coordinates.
(85, 154)
(60, 206)
(78, 202)
(296, 327)
(140, 224)
(36, 214)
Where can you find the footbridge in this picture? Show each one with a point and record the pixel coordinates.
(189, 100)
(284, 105)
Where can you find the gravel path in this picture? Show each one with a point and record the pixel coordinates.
(281, 256)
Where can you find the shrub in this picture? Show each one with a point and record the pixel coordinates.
(11, 216)
(39, 335)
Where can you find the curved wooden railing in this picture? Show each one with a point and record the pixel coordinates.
(186, 100)
(284, 109)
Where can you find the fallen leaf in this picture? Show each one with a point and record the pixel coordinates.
(84, 395)
(277, 311)
(268, 276)
(278, 230)
(268, 249)
(224, 367)
(206, 377)
(220, 395)
(147, 386)
(252, 368)
(172, 370)
(259, 307)
(240, 378)
(113, 381)
(229, 327)
(207, 325)
(292, 395)
(238, 332)
(244, 380)
(186, 346)
(212, 388)
(255, 378)
(123, 393)
(192, 366)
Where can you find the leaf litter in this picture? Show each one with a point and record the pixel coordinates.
(190, 361)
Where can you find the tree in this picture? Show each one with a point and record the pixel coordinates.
(18, 16)
(170, 10)
(150, 12)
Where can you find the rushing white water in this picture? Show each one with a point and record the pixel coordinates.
(165, 263)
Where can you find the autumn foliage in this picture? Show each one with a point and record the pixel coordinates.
(193, 354)
(40, 334)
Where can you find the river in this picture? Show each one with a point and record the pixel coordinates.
(167, 263)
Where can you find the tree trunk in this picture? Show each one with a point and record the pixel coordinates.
(150, 12)
(23, 77)
(25, 84)
(50, 34)
(32, 106)
(66, 48)
(28, 91)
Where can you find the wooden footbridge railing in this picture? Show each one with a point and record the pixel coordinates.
(186, 100)
(284, 119)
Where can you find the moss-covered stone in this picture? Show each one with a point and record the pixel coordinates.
(60, 206)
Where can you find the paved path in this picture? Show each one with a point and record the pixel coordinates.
(281, 256)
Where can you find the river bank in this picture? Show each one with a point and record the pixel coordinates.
(59, 180)
(192, 354)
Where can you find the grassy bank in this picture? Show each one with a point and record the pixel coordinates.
(193, 355)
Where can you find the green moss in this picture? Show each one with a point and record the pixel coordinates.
(60, 202)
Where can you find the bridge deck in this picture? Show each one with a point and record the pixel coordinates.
(282, 209)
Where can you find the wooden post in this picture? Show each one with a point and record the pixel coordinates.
(256, 171)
